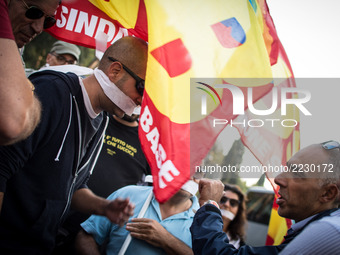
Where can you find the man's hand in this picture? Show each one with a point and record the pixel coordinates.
(210, 190)
(155, 234)
(148, 230)
(119, 211)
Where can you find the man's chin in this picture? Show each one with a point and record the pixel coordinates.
(20, 43)
(22, 40)
(282, 212)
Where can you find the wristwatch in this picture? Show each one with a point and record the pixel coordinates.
(212, 202)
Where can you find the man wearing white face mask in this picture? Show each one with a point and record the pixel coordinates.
(164, 228)
(49, 170)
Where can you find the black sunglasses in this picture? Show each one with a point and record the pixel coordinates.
(233, 202)
(330, 145)
(34, 12)
(139, 81)
(61, 59)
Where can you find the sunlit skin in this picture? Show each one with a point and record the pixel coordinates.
(25, 29)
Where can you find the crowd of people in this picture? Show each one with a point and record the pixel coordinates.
(69, 184)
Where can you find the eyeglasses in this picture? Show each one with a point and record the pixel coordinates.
(139, 81)
(233, 202)
(330, 145)
(62, 60)
(34, 12)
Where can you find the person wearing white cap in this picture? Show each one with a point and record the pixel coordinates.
(163, 229)
(63, 53)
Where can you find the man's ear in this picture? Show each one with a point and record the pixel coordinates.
(115, 70)
(48, 57)
(330, 193)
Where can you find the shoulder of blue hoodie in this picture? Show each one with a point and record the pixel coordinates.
(55, 96)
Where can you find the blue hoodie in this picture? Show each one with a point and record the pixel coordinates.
(40, 174)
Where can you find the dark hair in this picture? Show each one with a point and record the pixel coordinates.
(236, 228)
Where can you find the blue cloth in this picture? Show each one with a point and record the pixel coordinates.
(299, 225)
(178, 225)
(320, 237)
(208, 236)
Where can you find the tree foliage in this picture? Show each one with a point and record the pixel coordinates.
(36, 51)
(233, 158)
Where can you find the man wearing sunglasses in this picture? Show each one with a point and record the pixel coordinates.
(30, 17)
(306, 195)
(41, 176)
(63, 53)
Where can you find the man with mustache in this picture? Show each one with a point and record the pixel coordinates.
(309, 191)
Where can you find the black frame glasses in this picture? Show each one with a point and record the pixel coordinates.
(34, 12)
(329, 145)
(233, 202)
(63, 60)
(140, 83)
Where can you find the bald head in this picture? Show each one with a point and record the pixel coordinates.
(326, 163)
(130, 51)
(311, 184)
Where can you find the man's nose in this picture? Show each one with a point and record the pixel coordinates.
(38, 25)
(280, 179)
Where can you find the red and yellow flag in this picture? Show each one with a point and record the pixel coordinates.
(188, 40)
(194, 46)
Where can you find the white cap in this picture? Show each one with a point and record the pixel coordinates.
(61, 47)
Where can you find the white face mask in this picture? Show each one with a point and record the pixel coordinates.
(137, 110)
(116, 96)
(228, 214)
(191, 187)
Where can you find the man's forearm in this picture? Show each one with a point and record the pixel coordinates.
(85, 201)
(117, 211)
(85, 244)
